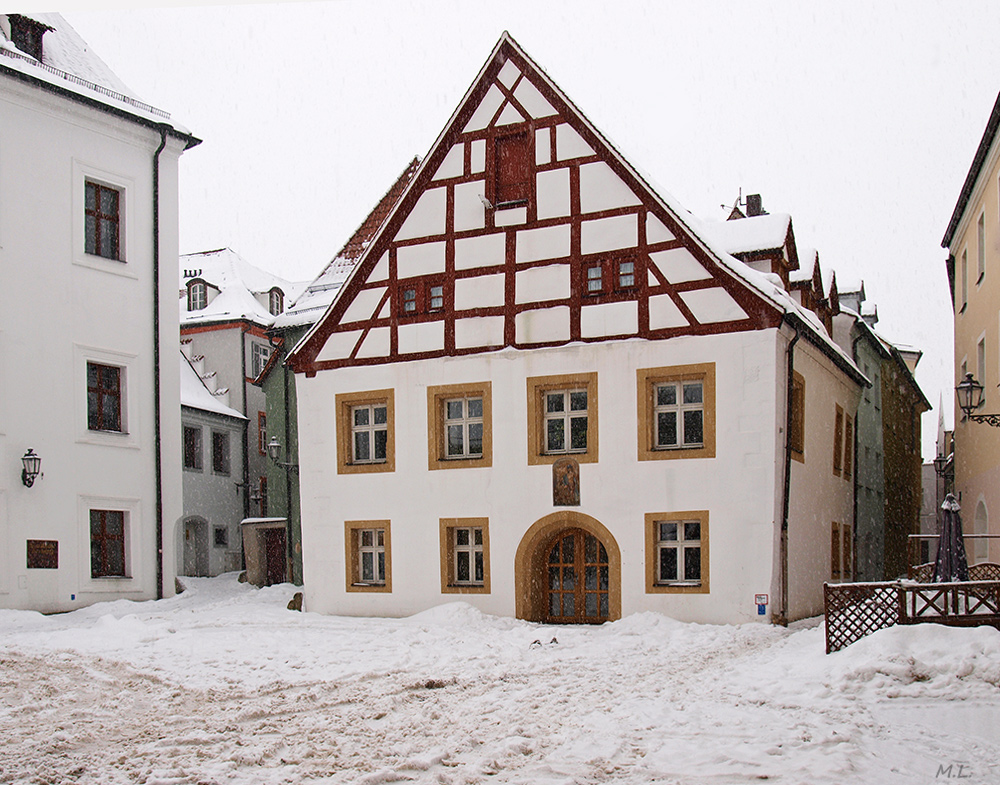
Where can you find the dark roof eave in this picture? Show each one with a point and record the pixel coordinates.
(974, 171)
(188, 139)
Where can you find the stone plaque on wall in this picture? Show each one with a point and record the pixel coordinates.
(43, 554)
(566, 483)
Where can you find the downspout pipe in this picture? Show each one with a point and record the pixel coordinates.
(289, 545)
(857, 471)
(157, 441)
(786, 492)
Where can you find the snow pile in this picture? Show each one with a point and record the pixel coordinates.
(224, 684)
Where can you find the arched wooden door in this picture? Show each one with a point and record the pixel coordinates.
(577, 579)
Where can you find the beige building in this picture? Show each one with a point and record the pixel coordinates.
(973, 243)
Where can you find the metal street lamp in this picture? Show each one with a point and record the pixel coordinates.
(970, 398)
(274, 453)
(32, 465)
(941, 465)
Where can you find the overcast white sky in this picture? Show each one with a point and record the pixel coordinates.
(861, 122)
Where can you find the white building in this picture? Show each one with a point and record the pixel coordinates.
(226, 305)
(208, 538)
(545, 390)
(88, 326)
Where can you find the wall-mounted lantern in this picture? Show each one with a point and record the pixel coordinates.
(970, 398)
(32, 464)
(274, 453)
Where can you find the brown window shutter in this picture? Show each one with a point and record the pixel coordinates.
(512, 169)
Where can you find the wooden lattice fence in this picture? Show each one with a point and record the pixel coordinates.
(854, 610)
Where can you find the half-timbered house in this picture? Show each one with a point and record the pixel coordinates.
(546, 390)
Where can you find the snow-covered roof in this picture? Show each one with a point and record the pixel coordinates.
(195, 395)
(808, 258)
(237, 282)
(745, 235)
(311, 304)
(71, 66)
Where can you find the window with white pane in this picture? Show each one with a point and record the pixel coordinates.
(679, 412)
(369, 433)
(463, 428)
(679, 552)
(371, 556)
(565, 421)
(468, 556)
(259, 355)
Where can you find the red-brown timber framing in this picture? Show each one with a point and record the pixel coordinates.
(761, 313)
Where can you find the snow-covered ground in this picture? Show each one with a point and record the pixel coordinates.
(223, 684)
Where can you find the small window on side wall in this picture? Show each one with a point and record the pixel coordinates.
(102, 220)
(797, 435)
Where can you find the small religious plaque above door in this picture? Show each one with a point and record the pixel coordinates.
(566, 483)
(43, 554)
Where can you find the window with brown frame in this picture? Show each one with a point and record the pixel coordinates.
(677, 556)
(418, 297)
(107, 544)
(608, 276)
(848, 447)
(562, 418)
(465, 555)
(676, 406)
(459, 419)
(797, 435)
(365, 439)
(192, 448)
(104, 397)
(838, 440)
(512, 171)
(262, 433)
(369, 556)
(102, 224)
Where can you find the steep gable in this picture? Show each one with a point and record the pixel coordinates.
(524, 227)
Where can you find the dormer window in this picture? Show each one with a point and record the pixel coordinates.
(26, 34)
(276, 302)
(197, 296)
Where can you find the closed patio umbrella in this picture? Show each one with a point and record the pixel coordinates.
(951, 564)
